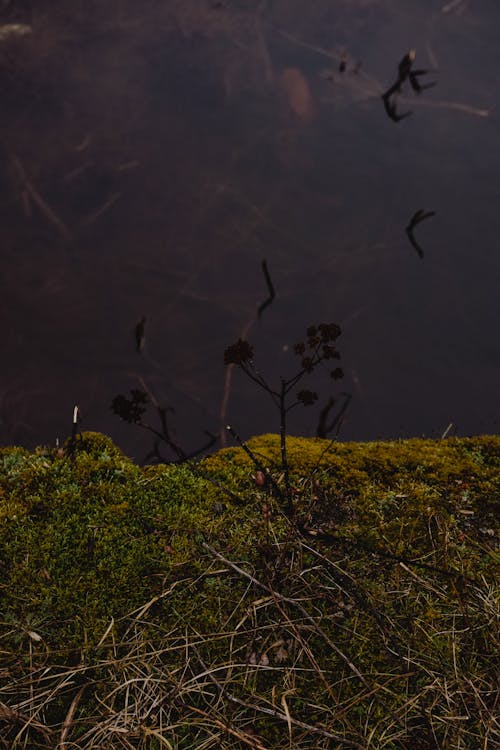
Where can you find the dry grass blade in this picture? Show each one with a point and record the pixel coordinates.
(14, 718)
(272, 712)
(286, 717)
(243, 737)
(69, 718)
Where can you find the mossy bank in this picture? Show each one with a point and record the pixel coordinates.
(178, 606)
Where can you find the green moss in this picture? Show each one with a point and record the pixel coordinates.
(98, 446)
(94, 544)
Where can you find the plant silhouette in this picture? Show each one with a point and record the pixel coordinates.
(318, 348)
(133, 410)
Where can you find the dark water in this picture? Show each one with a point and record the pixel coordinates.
(154, 153)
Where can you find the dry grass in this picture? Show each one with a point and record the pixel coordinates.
(307, 655)
(202, 616)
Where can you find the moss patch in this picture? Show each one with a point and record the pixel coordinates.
(180, 604)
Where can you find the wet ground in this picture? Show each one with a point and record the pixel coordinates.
(154, 155)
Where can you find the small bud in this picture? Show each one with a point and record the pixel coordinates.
(260, 479)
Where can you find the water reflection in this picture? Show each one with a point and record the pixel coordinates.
(153, 156)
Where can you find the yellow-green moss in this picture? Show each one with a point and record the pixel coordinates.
(101, 531)
(88, 540)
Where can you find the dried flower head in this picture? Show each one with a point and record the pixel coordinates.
(307, 397)
(238, 353)
(329, 352)
(313, 341)
(130, 409)
(329, 331)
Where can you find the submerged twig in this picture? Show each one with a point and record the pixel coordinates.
(226, 391)
(272, 293)
(100, 211)
(324, 427)
(390, 108)
(164, 435)
(417, 217)
(42, 204)
(405, 72)
(140, 337)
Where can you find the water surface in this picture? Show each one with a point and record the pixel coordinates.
(153, 155)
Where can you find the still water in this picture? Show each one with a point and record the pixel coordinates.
(154, 154)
